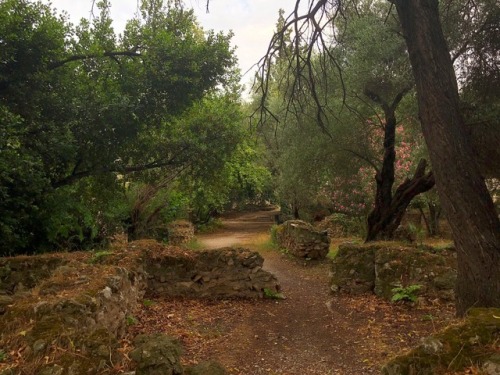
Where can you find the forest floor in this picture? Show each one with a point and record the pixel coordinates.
(311, 331)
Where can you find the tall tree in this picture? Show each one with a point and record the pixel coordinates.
(463, 193)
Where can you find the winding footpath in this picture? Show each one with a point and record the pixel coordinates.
(311, 331)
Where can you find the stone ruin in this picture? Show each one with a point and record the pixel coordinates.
(223, 273)
(74, 308)
(302, 240)
(380, 267)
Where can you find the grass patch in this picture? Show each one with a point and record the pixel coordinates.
(335, 243)
(260, 242)
(194, 245)
(148, 303)
(210, 227)
(99, 256)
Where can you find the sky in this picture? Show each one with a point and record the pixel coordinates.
(252, 21)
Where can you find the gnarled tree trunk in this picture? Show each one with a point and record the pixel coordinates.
(464, 197)
(386, 216)
(390, 208)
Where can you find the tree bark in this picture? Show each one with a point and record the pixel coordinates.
(464, 197)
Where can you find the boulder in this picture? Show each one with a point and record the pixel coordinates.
(301, 240)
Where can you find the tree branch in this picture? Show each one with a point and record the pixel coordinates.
(131, 53)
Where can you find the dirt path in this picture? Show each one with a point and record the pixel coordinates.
(239, 228)
(309, 332)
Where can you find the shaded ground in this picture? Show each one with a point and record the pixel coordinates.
(310, 332)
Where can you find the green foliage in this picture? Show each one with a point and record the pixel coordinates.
(211, 226)
(335, 168)
(350, 225)
(408, 293)
(131, 320)
(3, 355)
(148, 303)
(271, 294)
(194, 245)
(418, 231)
(275, 230)
(84, 112)
(99, 256)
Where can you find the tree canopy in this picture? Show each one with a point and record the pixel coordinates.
(84, 110)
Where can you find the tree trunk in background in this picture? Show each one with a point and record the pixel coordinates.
(464, 197)
(389, 209)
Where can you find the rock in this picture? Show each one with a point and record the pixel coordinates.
(206, 368)
(39, 345)
(156, 354)
(492, 365)
(301, 240)
(431, 345)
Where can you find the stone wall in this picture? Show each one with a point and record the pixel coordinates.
(74, 308)
(221, 273)
(381, 267)
(25, 272)
(80, 308)
(302, 240)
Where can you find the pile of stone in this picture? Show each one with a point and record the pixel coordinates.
(301, 240)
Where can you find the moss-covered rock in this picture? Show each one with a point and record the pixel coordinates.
(474, 341)
(400, 266)
(157, 354)
(353, 269)
(24, 272)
